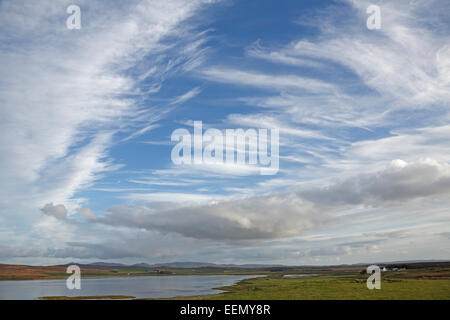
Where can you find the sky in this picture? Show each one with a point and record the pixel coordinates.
(87, 118)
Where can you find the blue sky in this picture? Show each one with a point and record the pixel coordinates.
(87, 117)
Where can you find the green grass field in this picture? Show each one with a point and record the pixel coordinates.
(333, 288)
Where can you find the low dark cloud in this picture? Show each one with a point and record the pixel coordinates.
(286, 214)
(397, 183)
(265, 217)
(58, 211)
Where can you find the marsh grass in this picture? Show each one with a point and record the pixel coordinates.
(334, 288)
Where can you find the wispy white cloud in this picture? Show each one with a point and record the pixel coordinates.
(272, 82)
(64, 99)
(140, 132)
(186, 96)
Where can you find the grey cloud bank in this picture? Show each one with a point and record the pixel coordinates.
(288, 214)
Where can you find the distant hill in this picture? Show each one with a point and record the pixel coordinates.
(193, 264)
(142, 265)
(399, 262)
(106, 264)
(196, 264)
(187, 264)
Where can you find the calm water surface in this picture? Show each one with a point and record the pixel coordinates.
(140, 287)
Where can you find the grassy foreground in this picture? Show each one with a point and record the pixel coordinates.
(318, 288)
(332, 288)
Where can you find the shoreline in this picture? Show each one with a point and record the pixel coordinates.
(132, 276)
